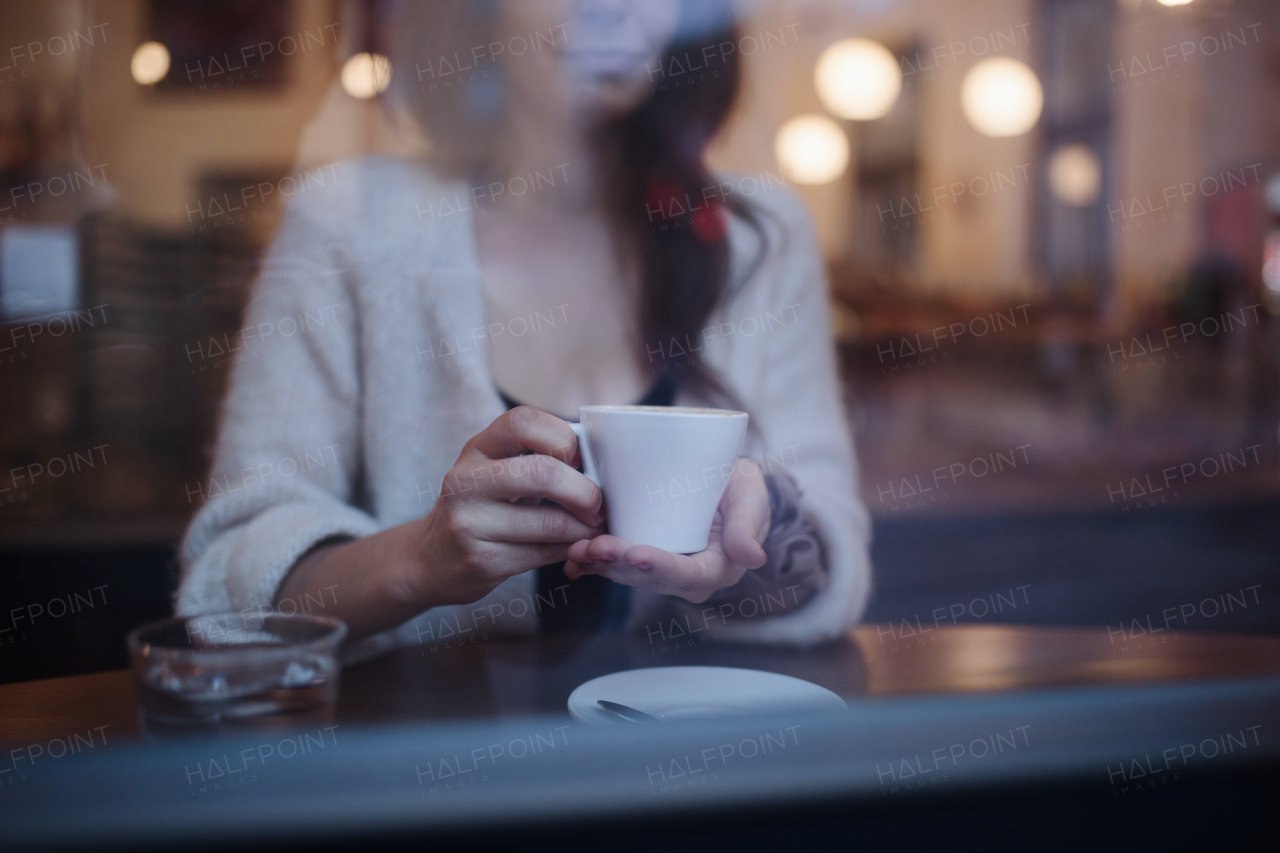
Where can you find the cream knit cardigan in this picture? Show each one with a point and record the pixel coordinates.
(362, 370)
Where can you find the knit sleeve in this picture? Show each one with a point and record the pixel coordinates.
(287, 458)
(795, 570)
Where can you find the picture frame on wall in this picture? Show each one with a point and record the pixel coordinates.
(224, 45)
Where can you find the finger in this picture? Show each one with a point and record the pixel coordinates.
(605, 548)
(602, 556)
(619, 571)
(498, 522)
(573, 570)
(533, 476)
(746, 517)
(581, 559)
(524, 429)
(693, 578)
(578, 552)
(747, 497)
(741, 546)
(680, 573)
(620, 556)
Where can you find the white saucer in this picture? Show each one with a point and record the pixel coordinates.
(689, 692)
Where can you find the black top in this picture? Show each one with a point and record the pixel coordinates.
(591, 604)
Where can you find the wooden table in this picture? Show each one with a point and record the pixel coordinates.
(535, 676)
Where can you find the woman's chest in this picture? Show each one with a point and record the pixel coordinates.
(563, 317)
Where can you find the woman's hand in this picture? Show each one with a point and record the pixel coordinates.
(488, 524)
(741, 524)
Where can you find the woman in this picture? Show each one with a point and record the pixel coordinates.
(567, 247)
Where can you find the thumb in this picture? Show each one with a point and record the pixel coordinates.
(745, 510)
(741, 546)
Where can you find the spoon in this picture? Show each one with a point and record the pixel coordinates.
(625, 712)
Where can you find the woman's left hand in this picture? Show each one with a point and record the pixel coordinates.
(740, 525)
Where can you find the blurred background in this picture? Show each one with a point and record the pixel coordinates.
(1052, 230)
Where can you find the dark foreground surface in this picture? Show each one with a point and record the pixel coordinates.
(1182, 766)
(1085, 568)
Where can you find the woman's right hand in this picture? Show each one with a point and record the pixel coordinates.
(489, 524)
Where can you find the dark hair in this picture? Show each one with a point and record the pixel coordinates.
(661, 195)
(662, 201)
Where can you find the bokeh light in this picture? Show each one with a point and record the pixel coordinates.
(858, 79)
(1075, 176)
(1272, 193)
(1174, 2)
(1271, 263)
(812, 149)
(365, 75)
(150, 63)
(1001, 97)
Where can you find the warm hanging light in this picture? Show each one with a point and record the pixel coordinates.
(150, 63)
(1075, 176)
(1001, 97)
(1174, 2)
(858, 79)
(365, 75)
(812, 149)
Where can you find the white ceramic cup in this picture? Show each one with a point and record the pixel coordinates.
(662, 469)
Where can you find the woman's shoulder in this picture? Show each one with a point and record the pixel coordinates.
(767, 195)
(775, 236)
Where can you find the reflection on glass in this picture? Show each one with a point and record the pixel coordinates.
(39, 270)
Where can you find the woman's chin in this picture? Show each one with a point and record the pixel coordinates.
(607, 97)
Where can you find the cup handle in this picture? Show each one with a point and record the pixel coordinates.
(584, 450)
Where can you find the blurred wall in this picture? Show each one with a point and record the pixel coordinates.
(1196, 93)
(983, 244)
(159, 143)
(1209, 106)
(1222, 106)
